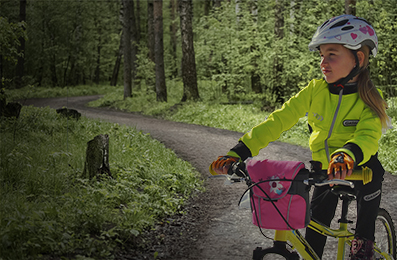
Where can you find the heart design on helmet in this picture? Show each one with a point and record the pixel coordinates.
(353, 35)
(338, 37)
(364, 30)
(370, 31)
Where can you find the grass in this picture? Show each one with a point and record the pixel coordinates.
(49, 210)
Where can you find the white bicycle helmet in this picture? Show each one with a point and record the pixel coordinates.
(349, 30)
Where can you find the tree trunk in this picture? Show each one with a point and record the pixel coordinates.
(239, 14)
(1, 71)
(295, 15)
(98, 65)
(21, 49)
(207, 7)
(189, 74)
(255, 78)
(173, 29)
(217, 3)
(53, 69)
(278, 63)
(161, 89)
(134, 46)
(150, 29)
(138, 22)
(150, 38)
(127, 5)
(97, 158)
(350, 7)
(97, 72)
(116, 69)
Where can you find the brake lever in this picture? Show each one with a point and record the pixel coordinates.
(328, 182)
(237, 168)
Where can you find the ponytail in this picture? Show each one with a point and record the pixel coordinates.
(368, 92)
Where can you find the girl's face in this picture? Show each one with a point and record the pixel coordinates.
(336, 62)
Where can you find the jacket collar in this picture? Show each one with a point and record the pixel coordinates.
(348, 88)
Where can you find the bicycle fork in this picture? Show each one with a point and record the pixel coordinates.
(280, 246)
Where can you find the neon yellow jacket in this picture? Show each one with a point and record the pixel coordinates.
(340, 122)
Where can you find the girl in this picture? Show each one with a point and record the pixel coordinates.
(346, 113)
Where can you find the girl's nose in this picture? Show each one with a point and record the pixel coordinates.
(323, 60)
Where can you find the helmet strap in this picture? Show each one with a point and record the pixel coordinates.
(354, 72)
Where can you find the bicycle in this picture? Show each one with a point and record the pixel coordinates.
(385, 235)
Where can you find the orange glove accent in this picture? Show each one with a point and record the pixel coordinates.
(222, 164)
(341, 165)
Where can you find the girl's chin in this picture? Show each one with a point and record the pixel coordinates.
(330, 81)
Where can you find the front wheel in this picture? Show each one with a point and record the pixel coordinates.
(385, 234)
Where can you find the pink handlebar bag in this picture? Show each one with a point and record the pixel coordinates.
(279, 199)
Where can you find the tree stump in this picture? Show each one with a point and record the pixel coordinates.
(11, 109)
(97, 158)
(71, 113)
(3, 102)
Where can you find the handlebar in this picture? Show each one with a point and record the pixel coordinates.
(317, 177)
(365, 175)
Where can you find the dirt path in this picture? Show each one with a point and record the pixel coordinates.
(213, 228)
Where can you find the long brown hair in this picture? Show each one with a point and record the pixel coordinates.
(368, 92)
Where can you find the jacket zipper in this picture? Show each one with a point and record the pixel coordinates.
(333, 124)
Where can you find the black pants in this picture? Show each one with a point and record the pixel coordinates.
(324, 203)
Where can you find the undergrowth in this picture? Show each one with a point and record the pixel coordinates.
(48, 210)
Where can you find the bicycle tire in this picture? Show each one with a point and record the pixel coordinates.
(385, 234)
(274, 256)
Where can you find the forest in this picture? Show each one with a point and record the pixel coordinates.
(227, 63)
(243, 47)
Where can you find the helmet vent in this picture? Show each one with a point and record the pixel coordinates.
(346, 28)
(339, 24)
(361, 19)
(324, 24)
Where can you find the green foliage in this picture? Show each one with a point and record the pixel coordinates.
(69, 41)
(382, 16)
(387, 152)
(146, 69)
(48, 210)
(392, 107)
(9, 39)
(388, 142)
(232, 47)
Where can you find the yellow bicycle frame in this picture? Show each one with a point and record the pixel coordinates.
(300, 244)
